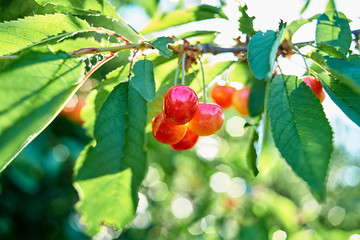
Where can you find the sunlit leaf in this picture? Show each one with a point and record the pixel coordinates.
(27, 32)
(245, 22)
(81, 7)
(330, 5)
(113, 166)
(300, 130)
(33, 90)
(178, 17)
(333, 29)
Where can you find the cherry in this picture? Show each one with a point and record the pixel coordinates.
(222, 95)
(208, 119)
(179, 104)
(240, 101)
(187, 142)
(316, 86)
(73, 112)
(166, 132)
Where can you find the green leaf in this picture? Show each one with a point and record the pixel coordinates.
(202, 37)
(143, 81)
(161, 44)
(256, 98)
(306, 5)
(330, 50)
(291, 28)
(99, 94)
(33, 90)
(346, 72)
(179, 17)
(333, 29)
(259, 53)
(81, 7)
(117, 25)
(250, 155)
(245, 22)
(262, 52)
(346, 99)
(330, 5)
(30, 31)
(109, 172)
(300, 130)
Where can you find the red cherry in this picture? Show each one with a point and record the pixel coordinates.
(240, 101)
(166, 132)
(208, 119)
(222, 95)
(315, 85)
(188, 141)
(180, 104)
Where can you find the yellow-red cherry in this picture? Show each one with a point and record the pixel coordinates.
(207, 120)
(315, 85)
(240, 101)
(180, 104)
(166, 132)
(222, 95)
(187, 142)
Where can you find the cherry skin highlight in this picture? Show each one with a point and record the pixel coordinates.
(187, 142)
(240, 101)
(315, 85)
(179, 104)
(166, 132)
(222, 95)
(208, 119)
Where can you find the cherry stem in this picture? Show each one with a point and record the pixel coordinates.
(183, 68)
(203, 78)
(177, 72)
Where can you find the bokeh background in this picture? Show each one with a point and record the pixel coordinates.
(203, 193)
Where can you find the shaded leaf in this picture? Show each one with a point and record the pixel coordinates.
(333, 29)
(99, 94)
(245, 22)
(33, 90)
(259, 51)
(256, 98)
(161, 44)
(343, 96)
(251, 155)
(300, 130)
(262, 52)
(178, 17)
(113, 166)
(143, 81)
(30, 31)
(81, 7)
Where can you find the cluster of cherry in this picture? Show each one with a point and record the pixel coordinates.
(227, 96)
(184, 119)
